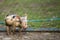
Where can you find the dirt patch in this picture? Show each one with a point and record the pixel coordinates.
(31, 36)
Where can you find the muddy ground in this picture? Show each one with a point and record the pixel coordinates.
(31, 36)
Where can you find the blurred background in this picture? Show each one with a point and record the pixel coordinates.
(41, 13)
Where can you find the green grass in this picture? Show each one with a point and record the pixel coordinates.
(36, 10)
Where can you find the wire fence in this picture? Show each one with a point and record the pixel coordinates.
(38, 29)
(41, 20)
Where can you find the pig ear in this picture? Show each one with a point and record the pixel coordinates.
(7, 15)
(13, 16)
